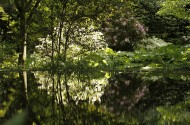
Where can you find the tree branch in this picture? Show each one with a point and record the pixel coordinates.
(32, 12)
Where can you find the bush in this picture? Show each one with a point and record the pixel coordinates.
(151, 43)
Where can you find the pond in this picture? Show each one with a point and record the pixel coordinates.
(80, 97)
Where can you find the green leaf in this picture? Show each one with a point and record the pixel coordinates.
(2, 10)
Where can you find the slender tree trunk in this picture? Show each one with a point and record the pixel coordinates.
(23, 7)
(23, 53)
(59, 73)
(65, 59)
(52, 65)
(58, 65)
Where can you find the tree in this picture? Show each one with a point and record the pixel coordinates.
(122, 30)
(177, 8)
(167, 27)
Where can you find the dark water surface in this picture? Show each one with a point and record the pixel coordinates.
(89, 98)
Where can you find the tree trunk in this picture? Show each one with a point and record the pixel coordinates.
(22, 55)
(23, 7)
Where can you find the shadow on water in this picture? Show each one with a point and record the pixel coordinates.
(73, 98)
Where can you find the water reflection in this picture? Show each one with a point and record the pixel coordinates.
(77, 88)
(57, 98)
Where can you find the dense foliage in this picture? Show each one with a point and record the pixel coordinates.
(105, 62)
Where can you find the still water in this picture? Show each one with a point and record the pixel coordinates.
(94, 98)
